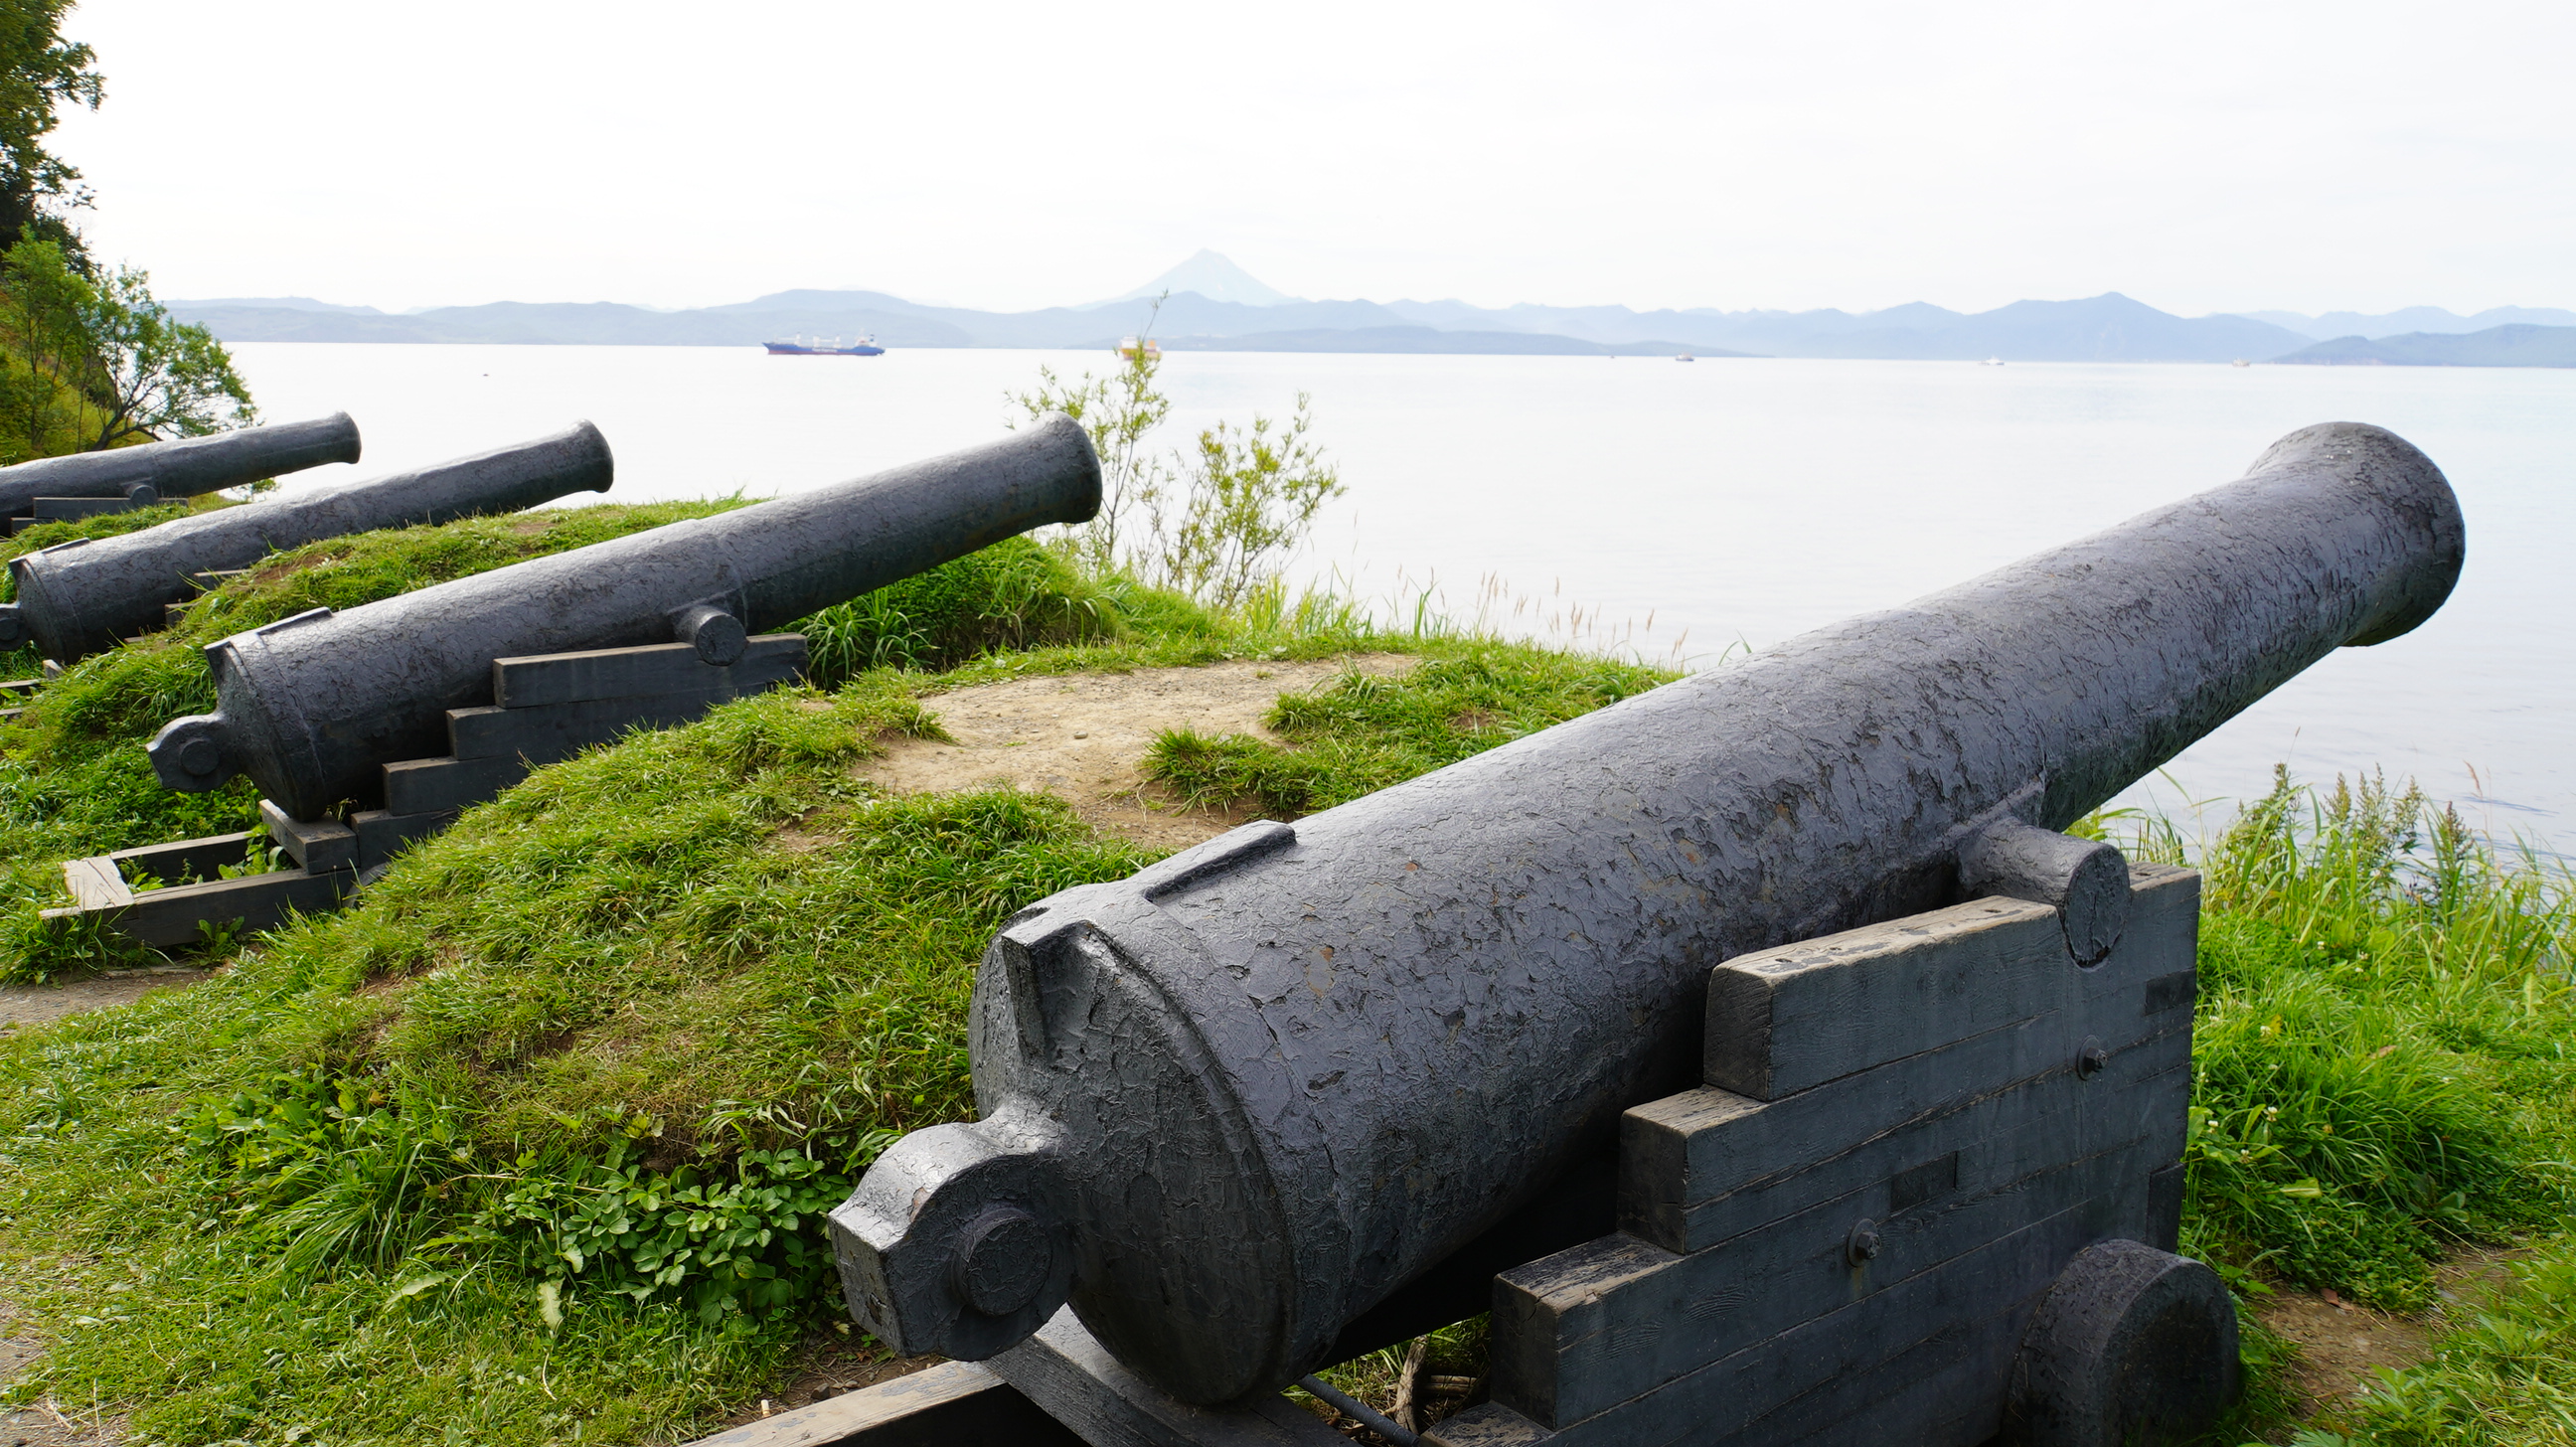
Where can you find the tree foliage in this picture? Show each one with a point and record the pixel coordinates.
(93, 362)
(40, 72)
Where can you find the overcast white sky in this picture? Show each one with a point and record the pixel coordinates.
(2197, 156)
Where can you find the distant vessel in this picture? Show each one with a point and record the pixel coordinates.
(2240, 362)
(1131, 348)
(1685, 357)
(863, 347)
(1992, 362)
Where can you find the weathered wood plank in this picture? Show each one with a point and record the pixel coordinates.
(1075, 1380)
(435, 786)
(1578, 1333)
(1698, 1167)
(382, 834)
(546, 733)
(550, 678)
(186, 859)
(95, 883)
(1783, 1020)
(167, 917)
(320, 845)
(1705, 1166)
(21, 686)
(1975, 1293)
(954, 1404)
(67, 509)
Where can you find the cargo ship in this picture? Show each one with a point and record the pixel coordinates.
(863, 347)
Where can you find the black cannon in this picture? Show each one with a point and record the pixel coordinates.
(81, 597)
(146, 474)
(312, 706)
(1229, 1106)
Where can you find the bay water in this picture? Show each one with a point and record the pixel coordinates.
(1675, 512)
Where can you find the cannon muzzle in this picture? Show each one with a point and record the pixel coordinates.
(81, 597)
(148, 473)
(311, 706)
(1231, 1103)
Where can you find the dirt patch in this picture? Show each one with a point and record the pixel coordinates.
(48, 1423)
(22, 1006)
(1082, 736)
(2343, 1345)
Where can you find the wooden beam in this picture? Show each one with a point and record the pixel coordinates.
(954, 1404)
(546, 678)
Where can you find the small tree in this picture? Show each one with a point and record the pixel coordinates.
(1217, 523)
(1119, 411)
(105, 362)
(1246, 502)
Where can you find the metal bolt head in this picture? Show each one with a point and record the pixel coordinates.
(2093, 1061)
(1003, 1260)
(1864, 1244)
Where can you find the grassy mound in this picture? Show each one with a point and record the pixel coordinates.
(74, 779)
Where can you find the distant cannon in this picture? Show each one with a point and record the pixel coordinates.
(153, 471)
(81, 597)
(1228, 1107)
(312, 707)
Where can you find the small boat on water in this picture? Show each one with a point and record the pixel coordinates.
(1992, 362)
(863, 347)
(1131, 348)
(1684, 357)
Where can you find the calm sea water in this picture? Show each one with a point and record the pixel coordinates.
(1675, 509)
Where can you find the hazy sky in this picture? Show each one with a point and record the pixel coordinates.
(2197, 156)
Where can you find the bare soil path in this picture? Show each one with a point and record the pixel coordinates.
(2343, 1345)
(1084, 736)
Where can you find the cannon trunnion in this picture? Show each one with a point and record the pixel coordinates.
(1234, 1103)
(81, 597)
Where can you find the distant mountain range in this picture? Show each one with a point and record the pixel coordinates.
(1213, 305)
(2512, 346)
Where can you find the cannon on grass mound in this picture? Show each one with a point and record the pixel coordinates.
(87, 595)
(1756, 1050)
(51, 489)
(369, 728)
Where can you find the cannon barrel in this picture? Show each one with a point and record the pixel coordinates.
(310, 706)
(154, 470)
(1227, 1105)
(80, 597)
